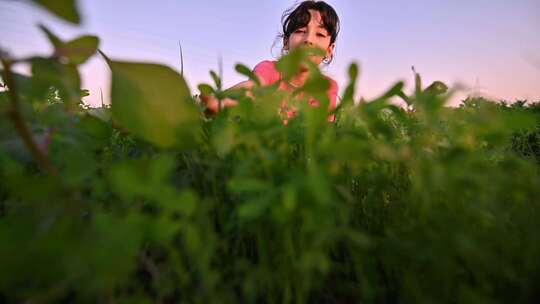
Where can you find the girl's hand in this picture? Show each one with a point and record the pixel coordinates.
(212, 103)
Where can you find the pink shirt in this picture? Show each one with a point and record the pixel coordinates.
(268, 74)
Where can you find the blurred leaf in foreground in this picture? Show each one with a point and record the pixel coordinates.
(153, 101)
(65, 9)
(78, 50)
(75, 51)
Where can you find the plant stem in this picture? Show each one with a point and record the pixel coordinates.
(16, 117)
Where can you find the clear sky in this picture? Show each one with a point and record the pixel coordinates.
(491, 46)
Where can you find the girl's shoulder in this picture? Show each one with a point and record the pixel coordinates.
(266, 64)
(267, 72)
(333, 83)
(333, 89)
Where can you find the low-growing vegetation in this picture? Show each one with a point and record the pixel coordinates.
(149, 201)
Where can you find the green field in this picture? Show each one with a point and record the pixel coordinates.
(150, 201)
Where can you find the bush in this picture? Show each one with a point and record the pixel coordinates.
(149, 201)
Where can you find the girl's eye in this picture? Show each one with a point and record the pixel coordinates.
(300, 31)
(321, 35)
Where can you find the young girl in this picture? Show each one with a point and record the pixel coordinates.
(311, 23)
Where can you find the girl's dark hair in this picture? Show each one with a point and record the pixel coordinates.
(299, 16)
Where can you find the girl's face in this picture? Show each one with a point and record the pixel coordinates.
(314, 34)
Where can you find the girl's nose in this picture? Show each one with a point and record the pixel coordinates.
(308, 39)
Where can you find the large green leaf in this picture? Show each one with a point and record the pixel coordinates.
(75, 51)
(291, 64)
(154, 102)
(78, 50)
(65, 9)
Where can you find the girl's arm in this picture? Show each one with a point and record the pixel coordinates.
(265, 72)
(212, 103)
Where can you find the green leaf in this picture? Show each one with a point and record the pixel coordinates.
(405, 98)
(98, 129)
(395, 90)
(290, 64)
(64, 9)
(78, 50)
(55, 40)
(154, 102)
(349, 91)
(206, 89)
(217, 80)
(184, 203)
(224, 140)
(417, 82)
(317, 86)
(244, 70)
(249, 185)
(436, 88)
(77, 162)
(253, 209)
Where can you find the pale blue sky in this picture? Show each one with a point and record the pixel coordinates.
(493, 45)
